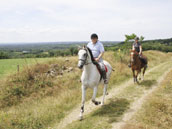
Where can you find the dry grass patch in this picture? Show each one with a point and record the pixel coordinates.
(156, 113)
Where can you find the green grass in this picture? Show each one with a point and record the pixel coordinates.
(9, 66)
(48, 105)
(156, 113)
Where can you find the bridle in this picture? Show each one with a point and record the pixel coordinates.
(84, 60)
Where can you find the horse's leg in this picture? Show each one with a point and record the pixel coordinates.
(144, 72)
(104, 93)
(140, 75)
(94, 97)
(133, 74)
(83, 101)
(138, 71)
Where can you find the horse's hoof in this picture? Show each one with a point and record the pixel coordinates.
(97, 103)
(107, 93)
(80, 118)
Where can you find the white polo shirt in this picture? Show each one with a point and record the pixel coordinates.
(96, 49)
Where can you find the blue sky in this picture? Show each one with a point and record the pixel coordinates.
(75, 20)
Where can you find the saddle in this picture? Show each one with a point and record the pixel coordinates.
(143, 59)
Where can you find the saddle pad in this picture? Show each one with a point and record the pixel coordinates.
(106, 68)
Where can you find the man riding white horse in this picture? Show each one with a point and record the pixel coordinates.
(97, 49)
(88, 58)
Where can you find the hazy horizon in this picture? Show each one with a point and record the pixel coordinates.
(72, 41)
(58, 42)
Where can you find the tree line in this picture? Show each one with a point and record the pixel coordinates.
(164, 45)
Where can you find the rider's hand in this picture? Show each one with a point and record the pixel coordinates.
(97, 59)
(140, 54)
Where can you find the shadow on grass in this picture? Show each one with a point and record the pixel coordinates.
(148, 83)
(113, 110)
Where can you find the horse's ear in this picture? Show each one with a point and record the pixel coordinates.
(79, 47)
(84, 47)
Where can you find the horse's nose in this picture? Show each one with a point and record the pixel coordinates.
(80, 66)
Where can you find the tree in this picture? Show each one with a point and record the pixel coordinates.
(129, 37)
(4, 55)
(142, 38)
(132, 37)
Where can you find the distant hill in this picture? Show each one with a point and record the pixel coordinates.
(54, 49)
(44, 49)
(164, 45)
(45, 46)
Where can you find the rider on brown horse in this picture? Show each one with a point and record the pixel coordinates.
(137, 61)
(138, 48)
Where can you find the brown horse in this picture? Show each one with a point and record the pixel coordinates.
(137, 65)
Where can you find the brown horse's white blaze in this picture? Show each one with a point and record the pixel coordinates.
(137, 65)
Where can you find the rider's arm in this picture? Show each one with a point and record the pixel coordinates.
(133, 48)
(101, 55)
(101, 52)
(140, 50)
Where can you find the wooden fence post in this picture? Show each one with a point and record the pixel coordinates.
(18, 68)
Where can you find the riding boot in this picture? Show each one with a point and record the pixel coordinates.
(104, 77)
(129, 65)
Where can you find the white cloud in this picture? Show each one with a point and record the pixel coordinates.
(66, 20)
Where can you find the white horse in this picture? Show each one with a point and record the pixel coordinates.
(90, 76)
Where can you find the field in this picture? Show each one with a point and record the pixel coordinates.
(9, 66)
(31, 100)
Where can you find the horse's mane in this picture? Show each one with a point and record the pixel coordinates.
(134, 51)
(94, 62)
(91, 54)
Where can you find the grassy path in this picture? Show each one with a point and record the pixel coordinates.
(137, 104)
(119, 92)
(156, 112)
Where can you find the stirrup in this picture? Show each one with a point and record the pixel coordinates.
(129, 65)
